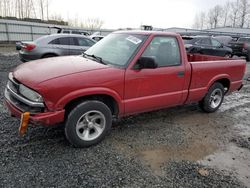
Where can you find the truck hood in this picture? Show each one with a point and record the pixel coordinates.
(35, 72)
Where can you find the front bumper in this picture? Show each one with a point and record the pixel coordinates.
(44, 118)
(27, 57)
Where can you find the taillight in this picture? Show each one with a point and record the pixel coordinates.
(29, 47)
(245, 45)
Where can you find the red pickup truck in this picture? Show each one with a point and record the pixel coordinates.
(127, 72)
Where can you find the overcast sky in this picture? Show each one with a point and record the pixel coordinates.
(133, 13)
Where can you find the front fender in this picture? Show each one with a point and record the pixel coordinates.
(88, 92)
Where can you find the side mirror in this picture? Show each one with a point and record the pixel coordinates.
(146, 63)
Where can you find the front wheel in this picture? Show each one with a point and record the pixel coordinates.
(88, 123)
(213, 99)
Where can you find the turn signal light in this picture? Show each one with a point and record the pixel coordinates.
(24, 123)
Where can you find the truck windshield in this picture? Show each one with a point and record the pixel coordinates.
(116, 49)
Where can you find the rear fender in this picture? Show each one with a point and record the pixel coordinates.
(216, 78)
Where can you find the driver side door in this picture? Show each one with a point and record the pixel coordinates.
(149, 89)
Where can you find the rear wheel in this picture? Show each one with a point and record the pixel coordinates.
(213, 99)
(88, 123)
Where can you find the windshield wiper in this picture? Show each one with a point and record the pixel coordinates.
(99, 59)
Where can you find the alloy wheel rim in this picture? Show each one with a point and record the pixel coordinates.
(215, 98)
(90, 125)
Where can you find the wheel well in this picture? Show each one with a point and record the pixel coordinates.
(225, 82)
(44, 55)
(106, 99)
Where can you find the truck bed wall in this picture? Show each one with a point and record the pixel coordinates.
(205, 73)
(200, 57)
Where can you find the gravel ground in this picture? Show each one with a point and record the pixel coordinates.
(177, 147)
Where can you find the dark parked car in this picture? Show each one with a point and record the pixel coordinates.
(55, 45)
(206, 45)
(225, 40)
(241, 47)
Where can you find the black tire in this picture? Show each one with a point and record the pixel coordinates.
(209, 103)
(49, 55)
(77, 115)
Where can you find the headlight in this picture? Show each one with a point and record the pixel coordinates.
(30, 94)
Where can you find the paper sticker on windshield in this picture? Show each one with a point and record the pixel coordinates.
(134, 40)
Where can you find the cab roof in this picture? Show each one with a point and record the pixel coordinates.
(140, 32)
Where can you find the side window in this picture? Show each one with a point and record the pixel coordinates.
(65, 31)
(82, 42)
(165, 51)
(215, 43)
(61, 41)
(85, 42)
(55, 41)
(205, 41)
(90, 42)
(73, 41)
(64, 41)
(76, 32)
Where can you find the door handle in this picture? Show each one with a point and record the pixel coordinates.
(180, 74)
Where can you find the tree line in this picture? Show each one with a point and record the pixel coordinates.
(40, 9)
(234, 13)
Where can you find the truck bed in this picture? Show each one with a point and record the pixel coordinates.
(208, 69)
